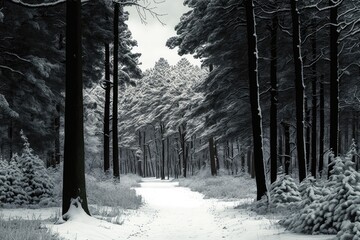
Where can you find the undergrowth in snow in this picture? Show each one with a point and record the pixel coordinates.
(16, 229)
(103, 191)
(112, 194)
(332, 209)
(222, 186)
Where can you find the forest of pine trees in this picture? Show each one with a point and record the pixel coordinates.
(277, 92)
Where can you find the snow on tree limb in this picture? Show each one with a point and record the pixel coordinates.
(5, 109)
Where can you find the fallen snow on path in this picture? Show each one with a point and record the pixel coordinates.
(176, 213)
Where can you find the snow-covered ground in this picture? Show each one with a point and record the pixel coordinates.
(170, 212)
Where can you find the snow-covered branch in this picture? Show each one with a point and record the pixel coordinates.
(11, 69)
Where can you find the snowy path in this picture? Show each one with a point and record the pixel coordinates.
(175, 213)
(181, 214)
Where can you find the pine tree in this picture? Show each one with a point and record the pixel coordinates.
(254, 100)
(38, 185)
(300, 87)
(74, 172)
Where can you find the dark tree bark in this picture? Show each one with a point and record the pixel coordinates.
(10, 137)
(74, 170)
(116, 168)
(354, 137)
(168, 156)
(57, 135)
(107, 87)
(314, 104)
(145, 171)
(162, 172)
(274, 100)
(216, 156)
(334, 81)
(300, 88)
(307, 132)
(182, 138)
(212, 157)
(254, 100)
(287, 148)
(138, 158)
(321, 125)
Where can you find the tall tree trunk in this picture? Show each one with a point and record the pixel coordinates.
(287, 147)
(300, 88)
(116, 168)
(168, 156)
(307, 132)
(162, 172)
(334, 81)
(10, 137)
(182, 133)
(314, 104)
(322, 125)
(57, 136)
(254, 100)
(138, 158)
(280, 144)
(216, 156)
(145, 172)
(274, 100)
(107, 87)
(74, 169)
(354, 138)
(212, 157)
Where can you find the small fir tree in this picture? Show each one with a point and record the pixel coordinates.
(38, 183)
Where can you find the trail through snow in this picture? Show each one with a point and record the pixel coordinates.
(177, 213)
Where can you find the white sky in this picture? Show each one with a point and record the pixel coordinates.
(152, 37)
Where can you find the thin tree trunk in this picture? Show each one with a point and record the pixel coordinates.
(115, 139)
(138, 158)
(287, 147)
(314, 104)
(334, 81)
(151, 163)
(254, 100)
(300, 88)
(74, 169)
(168, 156)
(280, 144)
(274, 100)
(307, 132)
(10, 136)
(216, 156)
(354, 138)
(322, 125)
(162, 127)
(107, 110)
(145, 173)
(182, 133)
(57, 136)
(212, 157)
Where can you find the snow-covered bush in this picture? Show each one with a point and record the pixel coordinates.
(11, 185)
(16, 193)
(350, 230)
(284, 191)
(25, 179)
(38, 184)
(311, 190)
(329, 213)
(283, 195)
